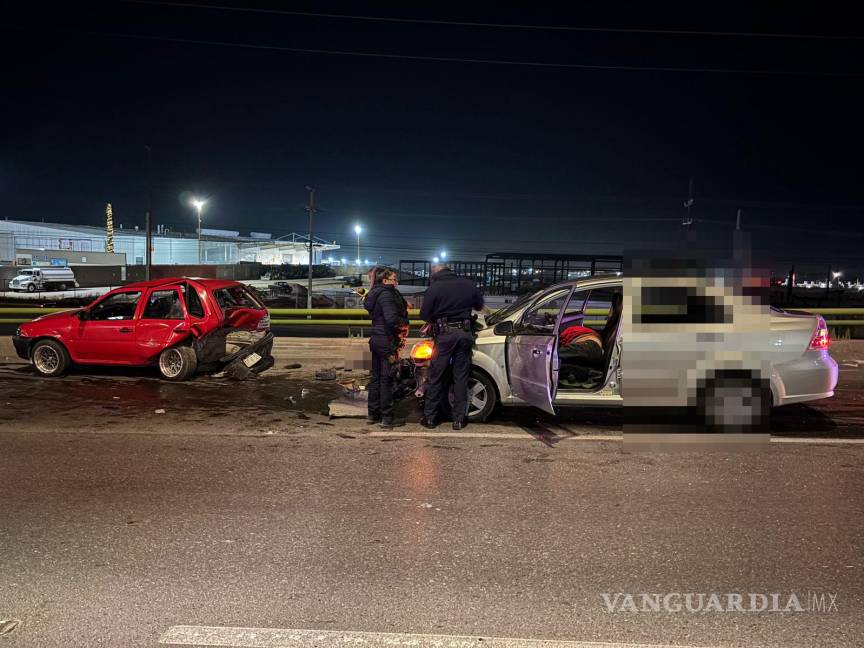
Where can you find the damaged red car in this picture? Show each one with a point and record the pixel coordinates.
(181, 325)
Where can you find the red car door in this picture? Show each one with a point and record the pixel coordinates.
(164, 321)
(105, 334)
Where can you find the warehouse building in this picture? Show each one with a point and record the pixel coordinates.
(22, 239)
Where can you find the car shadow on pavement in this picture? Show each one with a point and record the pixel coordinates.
(803, 421)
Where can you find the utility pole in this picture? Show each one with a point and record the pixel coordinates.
(311, 208)
(148, 221)
(688, 220)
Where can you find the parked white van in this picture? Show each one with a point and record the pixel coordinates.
(33, 279)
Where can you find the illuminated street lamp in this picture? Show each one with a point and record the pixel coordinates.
(357, 230)
(443, 254)
(435, 259)
(199, 205)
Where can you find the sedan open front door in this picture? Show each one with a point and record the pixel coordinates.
(532, 351)
(533, 363)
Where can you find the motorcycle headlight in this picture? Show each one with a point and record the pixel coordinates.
(423, 350)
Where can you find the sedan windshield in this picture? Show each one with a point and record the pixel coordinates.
(508, 310)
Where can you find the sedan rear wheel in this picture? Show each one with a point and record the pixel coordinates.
(736, 403)
(178, 363)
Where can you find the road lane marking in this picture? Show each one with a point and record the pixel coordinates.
(833, 441)
(587, 437)
(228, 637)
(492, 435)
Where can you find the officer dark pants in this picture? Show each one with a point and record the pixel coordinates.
(380, 386)
(452, 350)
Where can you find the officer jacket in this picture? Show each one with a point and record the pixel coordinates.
(450, 297)
(387, 309)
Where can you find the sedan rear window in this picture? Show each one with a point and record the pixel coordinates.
(680, 305)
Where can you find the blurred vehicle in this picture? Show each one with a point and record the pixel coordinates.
(42, 279)
(519, 357)
(181, 325)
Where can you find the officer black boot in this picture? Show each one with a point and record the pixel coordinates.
(460, 424)
(388, 423)
(428, 423)
(371, 419)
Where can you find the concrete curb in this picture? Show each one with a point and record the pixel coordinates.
(314, 352)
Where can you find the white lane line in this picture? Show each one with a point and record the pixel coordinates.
(588, 437)
(491, 435)
(817, 440)
(227, 637)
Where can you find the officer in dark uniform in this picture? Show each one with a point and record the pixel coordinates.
(447, 306)
(389, 314)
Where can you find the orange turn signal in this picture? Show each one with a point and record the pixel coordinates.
(423, 350)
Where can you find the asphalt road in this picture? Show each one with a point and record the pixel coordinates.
(134, 510)
(112, 539)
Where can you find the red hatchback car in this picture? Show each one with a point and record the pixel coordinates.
(180, 324)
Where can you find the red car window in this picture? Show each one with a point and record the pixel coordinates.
(236, 297)
(193, 300)
(164, 305)
(119, 306)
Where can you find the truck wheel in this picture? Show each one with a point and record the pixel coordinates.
(31, 287)
(49, 358)
(178, 363)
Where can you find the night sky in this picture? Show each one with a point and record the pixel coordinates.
(470, 157)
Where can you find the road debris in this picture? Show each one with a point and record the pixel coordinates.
(351, 404)
(325, 374)
(294, 365)
(159, 411)
(8, 625)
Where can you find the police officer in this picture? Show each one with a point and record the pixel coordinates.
(389, 314)
(447, 306)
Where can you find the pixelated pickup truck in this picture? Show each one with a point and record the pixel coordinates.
(180, 325)
(701, 346)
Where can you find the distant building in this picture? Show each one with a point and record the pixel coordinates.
(21, 238)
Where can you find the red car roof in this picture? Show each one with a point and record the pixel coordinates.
(207, 283)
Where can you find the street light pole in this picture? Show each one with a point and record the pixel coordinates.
(199, 205)
(199, 232)
(357, 230)
(311, 208)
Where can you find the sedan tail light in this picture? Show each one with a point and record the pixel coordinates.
(821, 337)
(264, 323)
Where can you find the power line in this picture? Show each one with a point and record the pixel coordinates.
(462, 23)
(454, 59)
